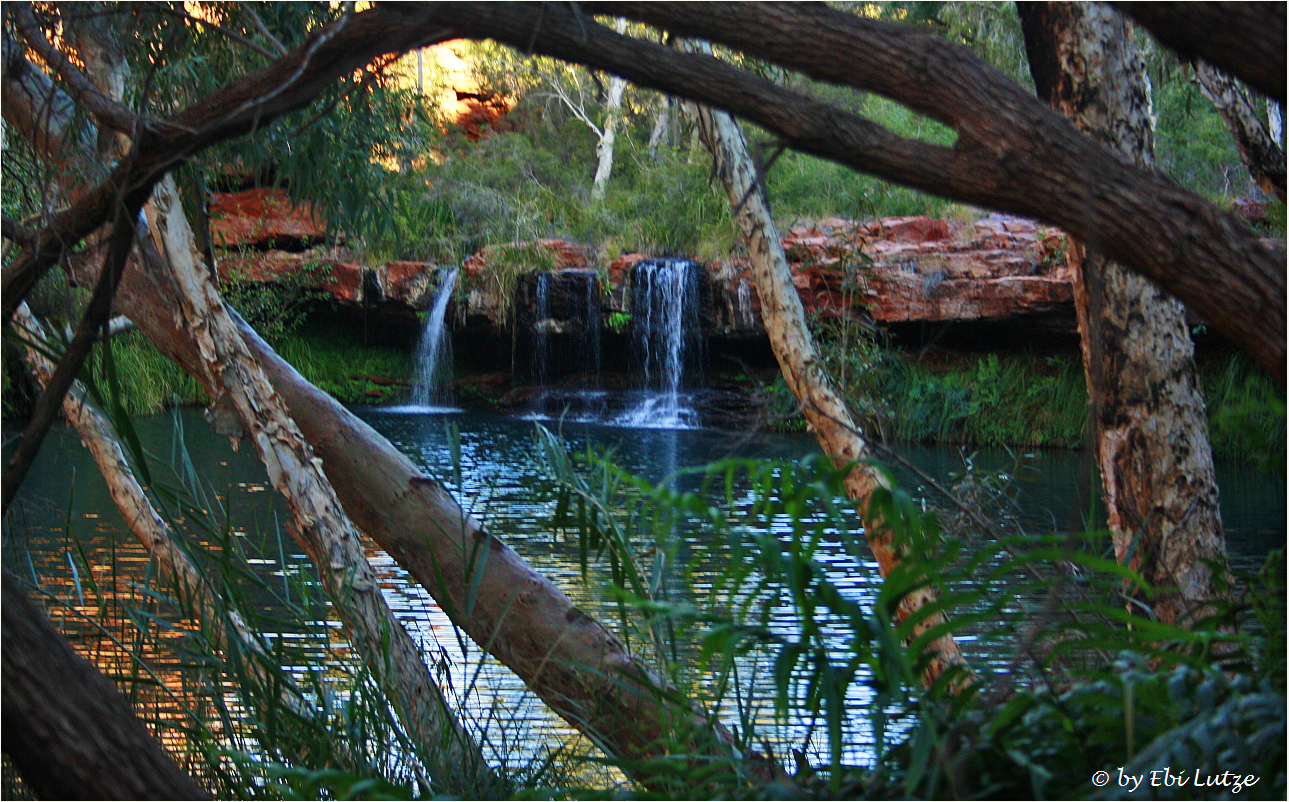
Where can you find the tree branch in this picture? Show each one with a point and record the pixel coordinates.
(234, 35)
(285, 85)
(1246, 40)
(111, 113)
(96, 314)
(1013, 153)
(249, 10)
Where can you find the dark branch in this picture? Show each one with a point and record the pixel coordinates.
(107, 111)
(1246, 40)
(69, 731)
(287, 84)
(92, 323)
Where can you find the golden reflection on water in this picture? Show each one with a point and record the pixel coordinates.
(108, 578)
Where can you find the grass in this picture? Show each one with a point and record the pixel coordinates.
(329, 357)
(1020, 399)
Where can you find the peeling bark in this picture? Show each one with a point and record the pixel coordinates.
(1259, 151)
(785, 323)
(1151, 428)
(244, 396)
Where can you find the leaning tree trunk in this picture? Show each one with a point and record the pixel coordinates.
(575, 665)
(785, 322)
(1259, 148)
(191, 587)
(69, 731)
(245, 404)
(1146, 405)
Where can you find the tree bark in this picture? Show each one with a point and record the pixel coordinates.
(604, 148)
(785, 323)
(1151, 428)
(1246, 40)
(69, 731)
(1012, 153)
(1259, 151)
(609, 135)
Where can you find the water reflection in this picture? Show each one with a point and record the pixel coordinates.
(498, 478)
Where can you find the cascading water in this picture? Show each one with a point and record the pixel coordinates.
(566, 340)
(434, 353)
(665, 319)
(541, 322)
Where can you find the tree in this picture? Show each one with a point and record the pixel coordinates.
(799, 362)
(1151, 433)
(1012, 154)
(1259, 148)
(68, 729)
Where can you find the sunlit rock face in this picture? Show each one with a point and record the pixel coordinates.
(906, 269)
(893, 270)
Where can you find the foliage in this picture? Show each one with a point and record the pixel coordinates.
(1090, 688)
(991, 399)
(1246, 412)
(277, 309)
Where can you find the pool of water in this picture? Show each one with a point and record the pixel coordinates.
(499, 474)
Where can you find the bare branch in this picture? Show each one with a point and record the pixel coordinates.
(234, 35)
(96, 313)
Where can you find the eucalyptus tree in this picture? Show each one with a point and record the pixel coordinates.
(1012, 153)
(1147, 409)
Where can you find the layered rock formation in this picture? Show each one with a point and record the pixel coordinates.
(894, 270)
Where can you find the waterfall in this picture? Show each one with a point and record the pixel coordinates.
(566, 340)
(590, 324)
(541, 322)
(434, 353)
(665, 320)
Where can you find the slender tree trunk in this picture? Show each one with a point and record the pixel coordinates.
(785, 322)
(191, 588)
(579, 668)
(609, 135)
(1259, 150)
(661, 127)
(68, 730)
(1151, 428)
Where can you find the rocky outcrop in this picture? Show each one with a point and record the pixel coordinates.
(263, 218)
(895, 270)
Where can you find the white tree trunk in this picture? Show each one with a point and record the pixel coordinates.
(1259, 148)
(1151, 427)
(608, 135)
(785, 322)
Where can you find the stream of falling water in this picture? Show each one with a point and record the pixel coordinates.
(434, 353)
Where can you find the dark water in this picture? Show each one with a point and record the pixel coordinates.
(64, 494)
